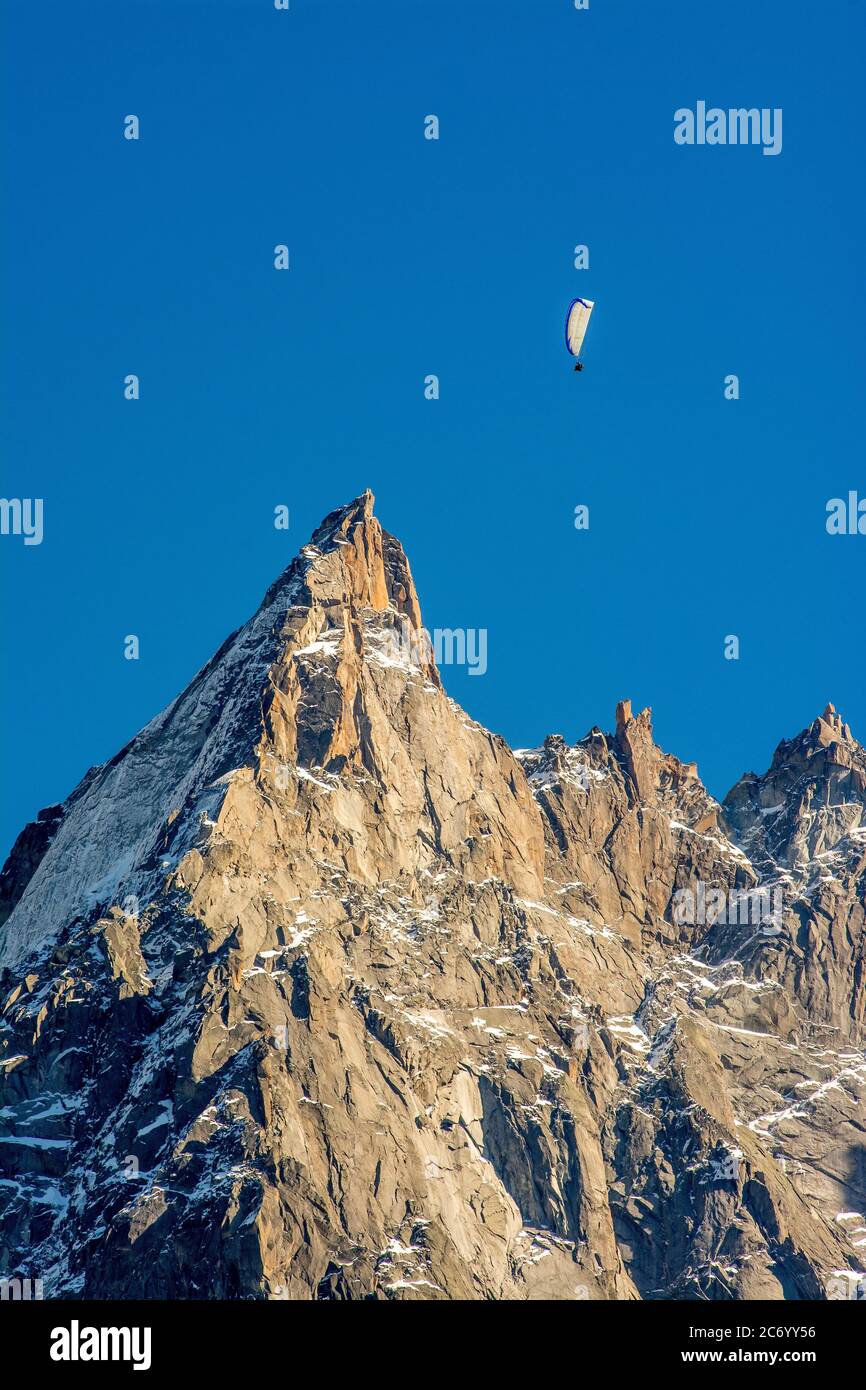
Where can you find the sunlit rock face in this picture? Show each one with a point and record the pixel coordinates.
(319, 990)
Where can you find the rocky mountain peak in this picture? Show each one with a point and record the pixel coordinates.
(652, 772)
(634, 741)
(829, 728)
(316, 990)
(812, 797)
(827, 738)
(351, 560)
(289, 686)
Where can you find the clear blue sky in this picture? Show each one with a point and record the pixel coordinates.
(453, 257)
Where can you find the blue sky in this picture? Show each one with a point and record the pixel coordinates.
(452, 257)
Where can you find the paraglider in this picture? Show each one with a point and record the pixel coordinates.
(576, 322)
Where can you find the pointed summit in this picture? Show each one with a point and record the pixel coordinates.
(807, 803)
(342, 519)
(350, 592)
(829, 728)
(350, 558)
(649, 768)
(623, 714)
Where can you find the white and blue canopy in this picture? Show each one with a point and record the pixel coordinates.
(576, 321)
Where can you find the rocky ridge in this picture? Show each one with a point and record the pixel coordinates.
(318, 990)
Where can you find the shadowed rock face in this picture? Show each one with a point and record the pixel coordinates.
(27, 854)
(318, 990)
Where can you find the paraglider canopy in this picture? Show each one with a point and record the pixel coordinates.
(576, 321)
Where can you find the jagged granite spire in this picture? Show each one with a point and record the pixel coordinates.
(317, 990)
(108, 840)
